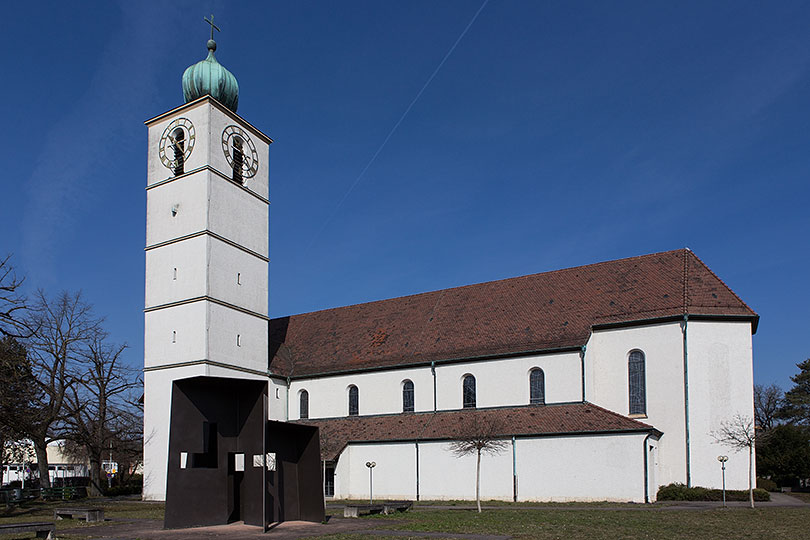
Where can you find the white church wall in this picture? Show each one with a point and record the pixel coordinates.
(443, 476)
(176, 272)
(177, 208)
(506, 381)
(277, 403)
(606, 376)
(175, 335)
(236, 338)
(238, 216)
(379, 392)
(607, 467)
(237, 277)
(582, 468)
(394, 473)
(720, 387)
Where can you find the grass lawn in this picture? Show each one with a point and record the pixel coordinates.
(39, 510)
(737, 523)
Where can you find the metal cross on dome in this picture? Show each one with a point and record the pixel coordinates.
(213, 26)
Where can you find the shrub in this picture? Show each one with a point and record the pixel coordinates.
(767, 484)
(679, 492)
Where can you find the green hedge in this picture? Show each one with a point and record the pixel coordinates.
(679, 492)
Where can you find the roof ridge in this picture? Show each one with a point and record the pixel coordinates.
(492, 281)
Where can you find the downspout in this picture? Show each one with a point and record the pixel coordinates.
(287, 401)
(686, 398)
(646, 472)
(514, 472)
(582, 368)
(433, 372)
(417, 469)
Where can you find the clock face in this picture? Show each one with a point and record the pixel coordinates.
(176, 144)
(240, 151)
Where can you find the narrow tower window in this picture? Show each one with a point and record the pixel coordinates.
(238, 340)
(303, 404)
(407, 396)
(469, 392)
(238, 278)
(238, 159)
(354, 401)
(174, 274)
(637, 383)
(174, 336)
(537, 387)
(179, 148)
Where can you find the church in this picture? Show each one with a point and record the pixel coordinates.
(603, 381)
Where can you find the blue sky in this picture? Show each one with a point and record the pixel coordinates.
(555, 134)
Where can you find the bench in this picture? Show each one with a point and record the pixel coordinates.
(386, 507)
(88, 514)
(65, 493)
(42, 529)
(389, 507)
(357, 510)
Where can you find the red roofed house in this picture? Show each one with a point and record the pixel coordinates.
(606, 380)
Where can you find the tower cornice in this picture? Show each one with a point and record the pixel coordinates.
(208, 99)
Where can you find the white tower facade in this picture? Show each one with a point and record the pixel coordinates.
(206, 261)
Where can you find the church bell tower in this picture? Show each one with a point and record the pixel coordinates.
(206, 250)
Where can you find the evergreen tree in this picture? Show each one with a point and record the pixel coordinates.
(784, 454)
(796, 408)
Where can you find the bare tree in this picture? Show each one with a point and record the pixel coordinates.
(99, 403)
(12, 301)
(479, 436)
(767, 402)
(65, 325)
(739, 433)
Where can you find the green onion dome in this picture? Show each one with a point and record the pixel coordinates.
(209, 77)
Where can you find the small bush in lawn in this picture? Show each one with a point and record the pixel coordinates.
(679, 492)
(767, 484)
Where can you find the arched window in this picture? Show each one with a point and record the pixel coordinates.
(303, 404)
(407, 396)
(637, 383)
(469, 392)
(537, 387)
(354, 401)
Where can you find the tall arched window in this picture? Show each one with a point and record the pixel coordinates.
(637, 383)
(407, 396)
(303, 404)
(354, 401)
(537, 387)
(468, 388)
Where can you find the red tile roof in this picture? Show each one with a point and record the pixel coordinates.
(528, 420)
(552, 310)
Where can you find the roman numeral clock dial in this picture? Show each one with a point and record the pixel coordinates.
(176, 144)
(240, 152)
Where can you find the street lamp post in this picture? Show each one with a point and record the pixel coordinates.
(722, 460)
(371, 465)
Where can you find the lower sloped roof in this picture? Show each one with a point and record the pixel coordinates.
(505, 422)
